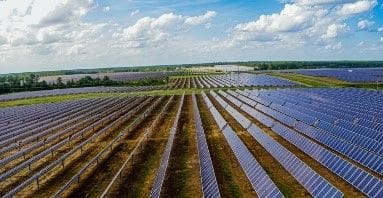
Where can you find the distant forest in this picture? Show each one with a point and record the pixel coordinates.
(16, 83)
(258, 65)
(280, 65)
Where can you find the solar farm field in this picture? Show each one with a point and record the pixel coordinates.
(350, 75)
(223, 135)
(231, 80)
(71, 91)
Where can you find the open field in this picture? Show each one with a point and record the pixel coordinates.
(200, 136)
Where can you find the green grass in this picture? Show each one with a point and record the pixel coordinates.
(311, 81)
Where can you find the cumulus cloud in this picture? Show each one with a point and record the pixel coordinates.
(135, 12)
(320, 2)
(365, 24)
(106, 9)
(198, 20)
(149, 31)
(334, 30)
(32, 22)
(320, 22)
(3, 40)
(357, 7)
(335, 46)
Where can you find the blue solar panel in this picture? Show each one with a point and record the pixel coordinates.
(344, 144)
(315, 185)
(352, 75)
(260, 181)
(161, 173)
(349, 172)
(208, 179)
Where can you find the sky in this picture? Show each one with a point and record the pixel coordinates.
(38, 35)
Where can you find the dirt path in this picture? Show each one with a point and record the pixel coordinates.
(100, 177)
(183, 177)
(231, 179)
(138, 181)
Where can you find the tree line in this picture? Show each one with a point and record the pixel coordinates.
(31, 82)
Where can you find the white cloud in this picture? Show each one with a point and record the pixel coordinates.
(365, 24)
(302, 22)
(198, 20)
(334, 30)
(321, 2)
(149, 31)
(381, 39)
(3, 40)
(380, 29)
(335, 46)
(135, 12)
(357, 7)
(106, 9)
(32, 22)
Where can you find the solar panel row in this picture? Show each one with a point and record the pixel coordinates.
(360, 179)
(80, 122)
(59, 144)
(208, 179)
(316, 185)
(138, 148)
(161, 172)
(262, 184)
(109, 147)
(332, 139)
(62, 158)
(34, 94)
(352, 74)
(241, 79)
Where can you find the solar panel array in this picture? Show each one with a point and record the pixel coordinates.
(208, 179)
(330, 132)
(103, 154)
(242, 79)
(361, 179)
(138, 148)
(82, 90)
(122, 115)
(351, 75)
(316, 185)
(161, 173)
(260, 181)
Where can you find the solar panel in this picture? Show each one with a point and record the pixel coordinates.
(208, 179)
(330, 160)
(261, 183)
(316, 185)
(368, 159)
(161, 172)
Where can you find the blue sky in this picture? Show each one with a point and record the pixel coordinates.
(65, 34)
